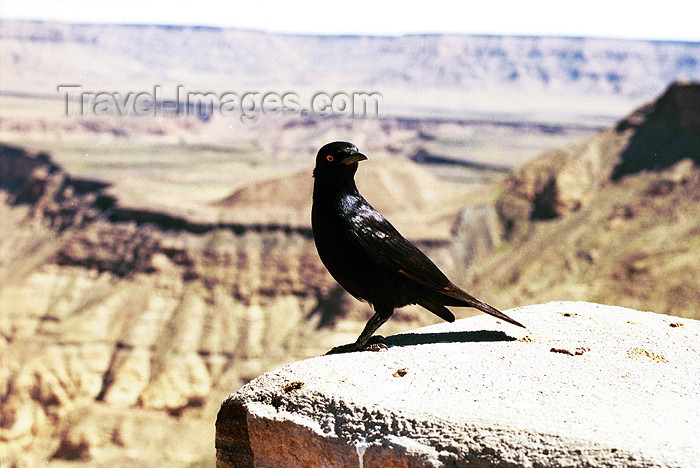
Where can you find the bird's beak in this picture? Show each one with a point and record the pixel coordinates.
(354, 158)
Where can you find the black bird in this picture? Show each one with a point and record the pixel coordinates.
(368, 256)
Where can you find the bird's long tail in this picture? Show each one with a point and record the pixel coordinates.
(463, 298)
(484, 307)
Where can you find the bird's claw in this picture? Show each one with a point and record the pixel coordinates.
(376, 347)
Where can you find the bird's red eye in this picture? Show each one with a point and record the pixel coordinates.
(329, 158)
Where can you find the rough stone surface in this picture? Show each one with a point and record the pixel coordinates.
(584, 385)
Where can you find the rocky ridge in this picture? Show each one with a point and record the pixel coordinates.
(652, 138)
(613, 219)
(211, 59)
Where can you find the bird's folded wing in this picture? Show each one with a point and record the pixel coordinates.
(377, 238)
(386, 246)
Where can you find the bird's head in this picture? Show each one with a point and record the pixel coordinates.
(337, 160)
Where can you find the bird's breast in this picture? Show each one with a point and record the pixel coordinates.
(346, 263)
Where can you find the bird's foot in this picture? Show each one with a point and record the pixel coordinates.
(376, 344)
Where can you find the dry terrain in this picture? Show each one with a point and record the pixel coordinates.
(150, 266)
(124, 328)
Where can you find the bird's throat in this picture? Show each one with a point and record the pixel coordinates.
(326, 190)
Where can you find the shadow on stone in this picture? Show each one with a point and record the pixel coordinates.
(410, 339)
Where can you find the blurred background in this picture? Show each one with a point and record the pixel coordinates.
(155, 243)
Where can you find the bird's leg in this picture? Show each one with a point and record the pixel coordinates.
(376, 321)
(373, 324)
